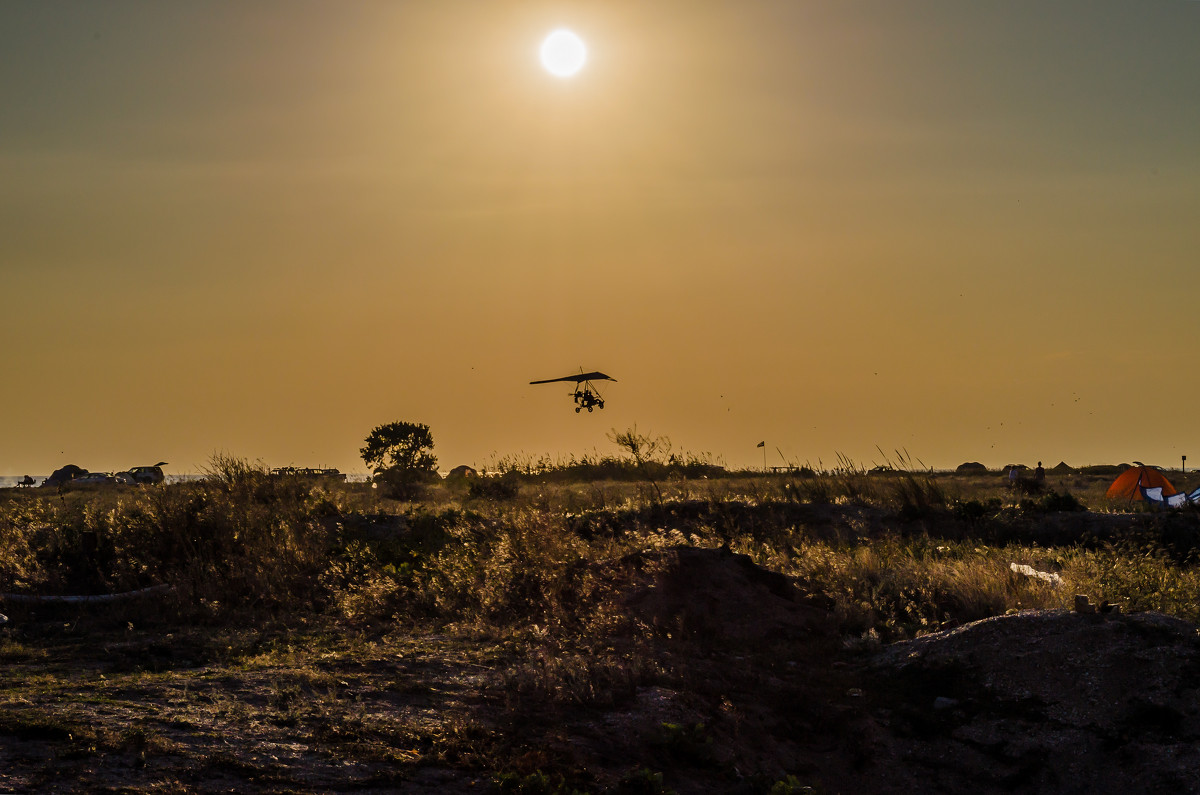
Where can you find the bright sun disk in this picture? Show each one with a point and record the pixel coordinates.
(563, 53)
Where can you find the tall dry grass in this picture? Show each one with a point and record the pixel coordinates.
(898, 588)
(241, 543)
(239, 540)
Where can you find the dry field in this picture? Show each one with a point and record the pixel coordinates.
(638, 634)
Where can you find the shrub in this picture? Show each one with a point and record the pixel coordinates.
(403, 484)
(237, 540)
(1054, 501)
(974, 511)
(504, 487)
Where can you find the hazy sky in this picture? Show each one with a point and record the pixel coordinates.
(970, 230)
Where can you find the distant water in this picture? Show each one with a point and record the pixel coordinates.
(8, 481)
(11, 480)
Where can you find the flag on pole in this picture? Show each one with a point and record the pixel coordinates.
(761, 444)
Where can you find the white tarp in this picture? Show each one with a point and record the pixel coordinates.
(1155, 495)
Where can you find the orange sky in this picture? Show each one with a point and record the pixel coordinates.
(967, 230)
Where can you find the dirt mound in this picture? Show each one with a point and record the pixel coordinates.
(716, 595)
(1043, 700)
(1036, 701)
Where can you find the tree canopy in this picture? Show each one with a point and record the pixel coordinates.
(400, 447)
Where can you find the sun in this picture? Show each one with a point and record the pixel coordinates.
(563, 53)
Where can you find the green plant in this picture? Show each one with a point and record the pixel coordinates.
(790, 786)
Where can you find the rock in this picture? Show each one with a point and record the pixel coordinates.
(1047, 700)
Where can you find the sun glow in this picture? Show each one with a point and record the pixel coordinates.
(563, 53)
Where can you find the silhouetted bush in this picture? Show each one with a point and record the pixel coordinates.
(403, 484)
(503, 487)
(1065, 501)
(976, 510)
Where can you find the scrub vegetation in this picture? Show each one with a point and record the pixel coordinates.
(515, 631)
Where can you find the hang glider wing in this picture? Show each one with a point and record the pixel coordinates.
(581, 377)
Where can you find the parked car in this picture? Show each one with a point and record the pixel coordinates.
(307, 472)
(150, 474)
(78, 476)
(102, 479)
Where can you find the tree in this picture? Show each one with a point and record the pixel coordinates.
(401, 456)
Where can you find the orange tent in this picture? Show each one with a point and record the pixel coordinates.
(1128, 483)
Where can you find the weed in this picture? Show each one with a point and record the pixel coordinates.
(565, 679)
(647, 452)
(12, 651)
(916, 497)
(790, 786)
